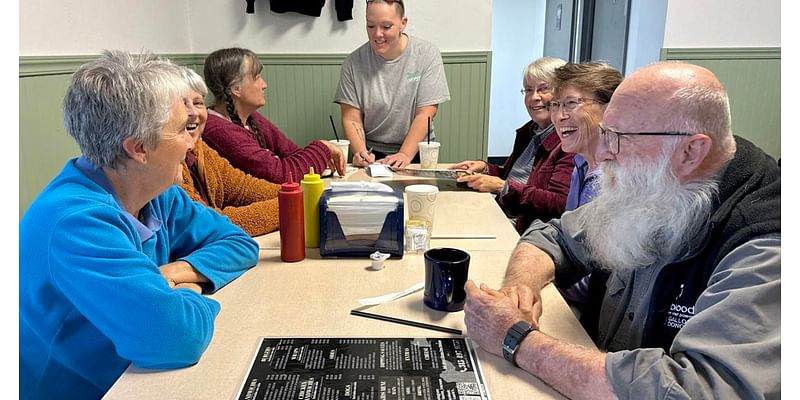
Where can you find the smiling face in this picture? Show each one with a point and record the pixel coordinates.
(165, 159)
(197, 104)
(384, 29)
(578, 128)
(537, 94)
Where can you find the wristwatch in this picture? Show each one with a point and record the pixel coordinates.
(514, 337)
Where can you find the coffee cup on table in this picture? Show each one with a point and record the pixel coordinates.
(421, 203)
(343, 144)
(446, 272)
(429, 154)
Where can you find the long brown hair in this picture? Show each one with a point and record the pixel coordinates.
(226, 68)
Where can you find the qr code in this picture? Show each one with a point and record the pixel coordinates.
(468, 388)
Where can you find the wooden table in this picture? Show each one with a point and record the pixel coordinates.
(313, 298)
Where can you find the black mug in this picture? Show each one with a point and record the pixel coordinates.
(446, 272)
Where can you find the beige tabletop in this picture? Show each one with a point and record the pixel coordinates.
(313, 298)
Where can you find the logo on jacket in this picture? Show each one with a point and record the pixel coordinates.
(678, 313)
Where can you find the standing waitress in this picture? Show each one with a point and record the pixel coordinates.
(389, 88)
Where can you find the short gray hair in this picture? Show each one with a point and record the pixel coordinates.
(195, 81)
(118, 96)
(543, 69)
(696, 100)
(705, 108)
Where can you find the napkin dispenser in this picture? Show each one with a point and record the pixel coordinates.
(354, 223)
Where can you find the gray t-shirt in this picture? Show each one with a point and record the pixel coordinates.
(389, 92)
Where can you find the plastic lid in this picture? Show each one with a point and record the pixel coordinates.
(311, 176)
(290, 185)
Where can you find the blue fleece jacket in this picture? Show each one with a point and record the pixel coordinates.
(91, 297)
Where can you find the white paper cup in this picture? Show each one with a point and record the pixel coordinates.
(429, 154)
(421, 202)
(343, 144)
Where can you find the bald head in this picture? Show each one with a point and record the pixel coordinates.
(675, 96)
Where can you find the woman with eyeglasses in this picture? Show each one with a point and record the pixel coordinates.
(581, 94)
(207, 177)
(246, 138)
(534, 181)
(390, 89)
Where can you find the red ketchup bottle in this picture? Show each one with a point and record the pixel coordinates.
(290, 210)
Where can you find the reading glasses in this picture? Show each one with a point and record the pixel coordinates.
(569, 105)
(611, 137)
(542, 90)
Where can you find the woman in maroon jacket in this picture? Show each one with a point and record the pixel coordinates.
(534, 181)
(246, 138)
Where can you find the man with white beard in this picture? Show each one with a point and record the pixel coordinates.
(683, 243)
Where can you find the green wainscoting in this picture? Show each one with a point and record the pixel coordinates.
(299, 101)
(301, 91)
(752, 77)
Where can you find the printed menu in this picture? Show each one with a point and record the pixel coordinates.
(364, 369)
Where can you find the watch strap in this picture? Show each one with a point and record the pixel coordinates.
(513, 338)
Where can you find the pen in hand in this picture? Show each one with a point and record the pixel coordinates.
(366, 158)
(360, 133)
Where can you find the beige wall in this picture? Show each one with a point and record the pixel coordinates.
(723, 23)
(200, 26)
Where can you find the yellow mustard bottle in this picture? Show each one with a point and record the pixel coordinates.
(312, 190)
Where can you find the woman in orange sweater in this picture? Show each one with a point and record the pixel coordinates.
(207, 177)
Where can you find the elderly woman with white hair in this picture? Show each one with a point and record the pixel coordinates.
(116, 257)
(534, 181)
(249, 202)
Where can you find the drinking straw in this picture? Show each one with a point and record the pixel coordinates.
(400, 321)
(334, 128)
(429, 130)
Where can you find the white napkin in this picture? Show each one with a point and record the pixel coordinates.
(379, 170)
(337, 187)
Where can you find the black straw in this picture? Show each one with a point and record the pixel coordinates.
(359, 313)
(334, 128)
(429, 130)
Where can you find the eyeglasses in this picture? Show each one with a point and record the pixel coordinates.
(611, 137)
(542, 90)
(568, 105)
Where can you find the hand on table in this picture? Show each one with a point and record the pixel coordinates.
(337, 162)
(472, 166)
(489, 313)
(396, 160)
(528, 301)
(483, 183)
(191, 286)
(181, 274)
